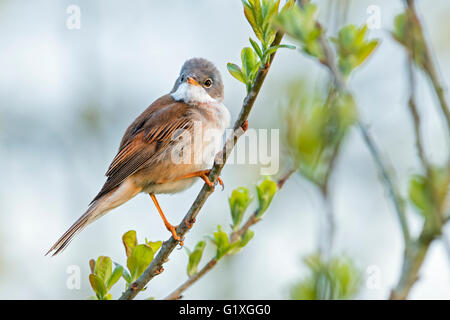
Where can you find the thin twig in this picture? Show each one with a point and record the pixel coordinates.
(234, 236)
(330, 224)
(388, 182)
(329, 62)
(416, 250)
(176, 294)
(156, 266)
(413, 259)
(327, 234)
(429, 65)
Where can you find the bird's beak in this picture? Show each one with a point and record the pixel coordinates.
(192, 81)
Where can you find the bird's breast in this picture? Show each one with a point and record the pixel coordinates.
(216, 120)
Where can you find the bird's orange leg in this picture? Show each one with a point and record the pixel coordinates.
(201, 174)
(169, 227)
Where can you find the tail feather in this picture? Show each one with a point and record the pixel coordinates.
(97, 209)
(89, 216)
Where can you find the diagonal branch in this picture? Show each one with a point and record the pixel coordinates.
(156, 267)
(235, 235)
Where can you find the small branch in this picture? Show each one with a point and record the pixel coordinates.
(429, 66)
(416, 250)
(418, 138)
(329, 62)
(176, 294)
(388, 182)
(234, 236)
(327, 234)
(156, 266)
(414, 256)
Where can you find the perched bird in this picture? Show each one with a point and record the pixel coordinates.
(166, 148)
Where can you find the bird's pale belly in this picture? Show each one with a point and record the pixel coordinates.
(170, 187)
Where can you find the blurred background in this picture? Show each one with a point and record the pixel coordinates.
(66, 97)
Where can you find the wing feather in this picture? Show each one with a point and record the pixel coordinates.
(154, 135)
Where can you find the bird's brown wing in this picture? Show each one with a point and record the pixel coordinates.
(148, 136)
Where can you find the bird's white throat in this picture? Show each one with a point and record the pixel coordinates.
(192, 94)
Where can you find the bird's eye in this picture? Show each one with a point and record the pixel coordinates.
(182, 78)
(208, 83)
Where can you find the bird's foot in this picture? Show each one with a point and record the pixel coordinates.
(173, 230)
(189, 223)
(205, 178)
(244, 126)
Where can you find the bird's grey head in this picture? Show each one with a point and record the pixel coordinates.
(199, 82)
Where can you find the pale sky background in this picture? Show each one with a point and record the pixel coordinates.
(66, 97)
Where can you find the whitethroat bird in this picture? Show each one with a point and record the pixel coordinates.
(144, 162)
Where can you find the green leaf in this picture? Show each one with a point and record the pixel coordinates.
(154, 245)
(315, 127)
(220, 239)
(139, 260)
(256, 48)
(237, 246)
(236, 72)
(399, 32)
(239, 201)
(366, 51)
(353, 47)
(234, 248)
(271, 9)
(98, 286)
(266, 191)
(257, 11)
(289, 4)
(301, 25)
(248, 235)
(115, 276)
(260, 16)
(129, 241)
(103, 268)
(335, 279)
(408, 32)
(286, 46)
(419, 195)
(430, 195)
(127, 276)
(252, 76)
(271, 50)
(248, 61)
(253, 17)
(195, 257)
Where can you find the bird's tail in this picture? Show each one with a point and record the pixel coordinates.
(97, 209)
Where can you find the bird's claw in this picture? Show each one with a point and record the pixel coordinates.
(220, 181)
(189, 223)
(173, 231)
(210, 184)
(244, 126)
